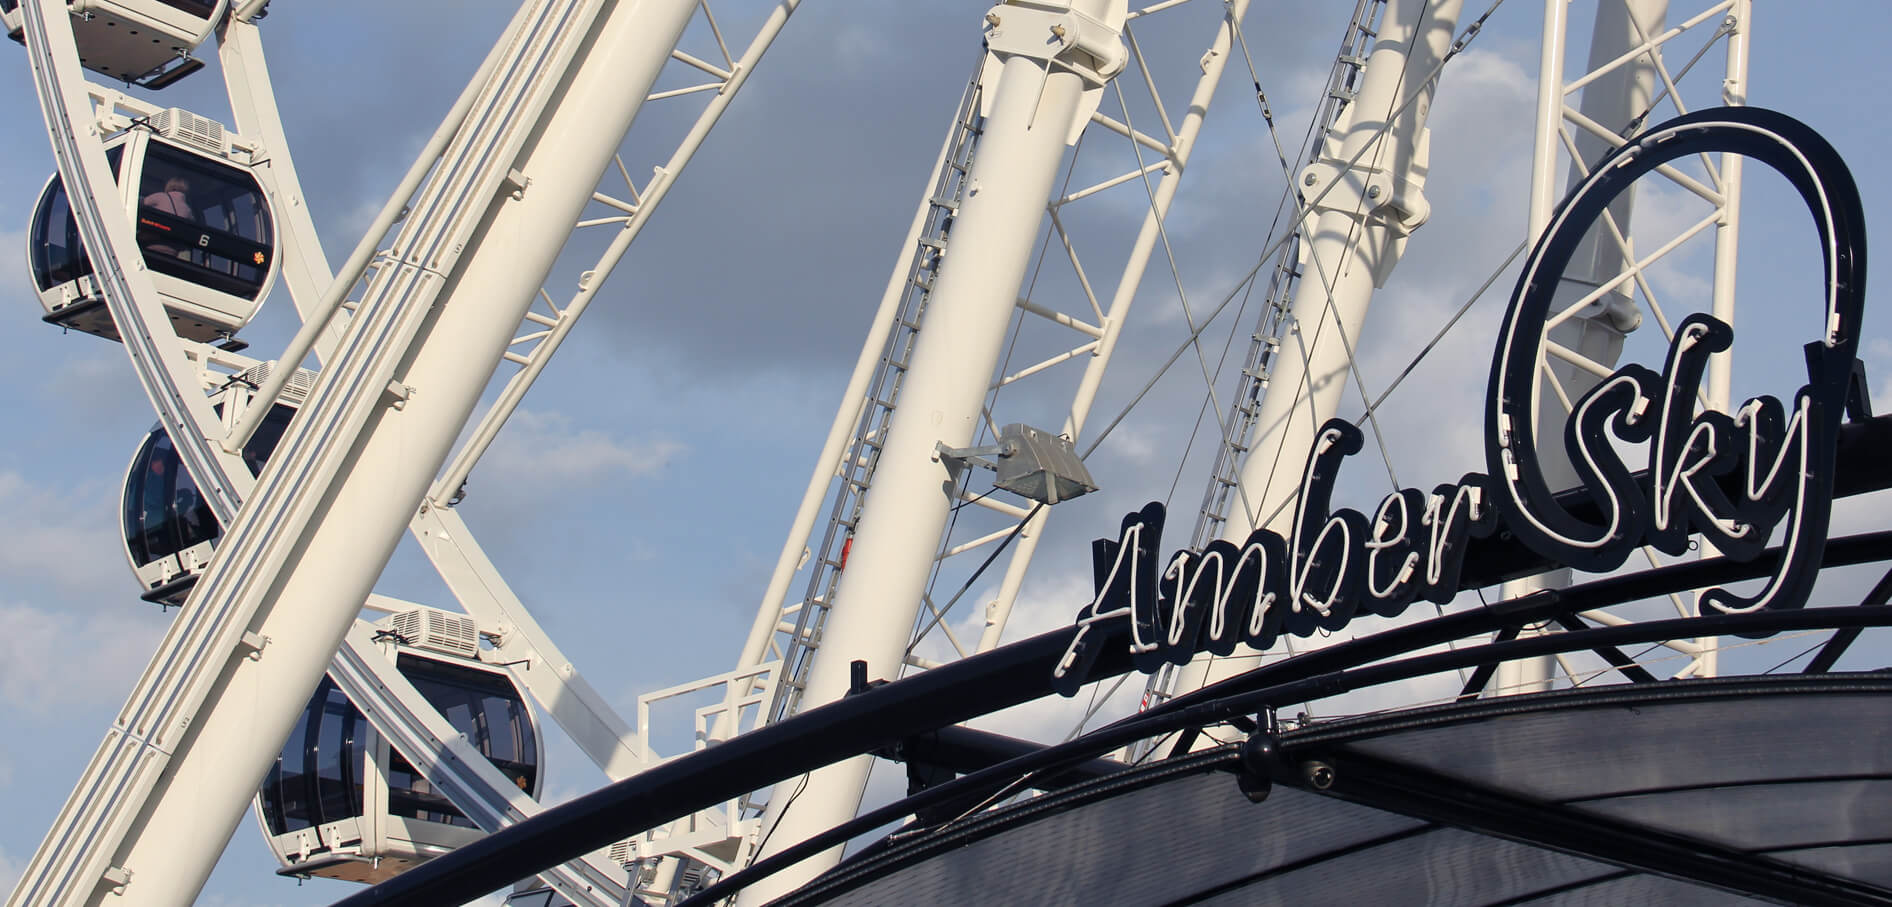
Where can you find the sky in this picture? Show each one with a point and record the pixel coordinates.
(640, 498)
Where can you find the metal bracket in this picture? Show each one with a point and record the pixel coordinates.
(252, 643)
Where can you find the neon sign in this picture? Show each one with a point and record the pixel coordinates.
(1731, 478)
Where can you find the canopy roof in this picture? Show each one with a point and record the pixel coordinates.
(1736, 790)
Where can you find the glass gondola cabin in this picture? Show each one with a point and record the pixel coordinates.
(170, 531)
(203, 230)
(342, 803)
(144, 42)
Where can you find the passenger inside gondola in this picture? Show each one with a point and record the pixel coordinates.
(201, 222)
(173, 199)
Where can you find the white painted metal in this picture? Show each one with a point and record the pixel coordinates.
(726, 85)
(1035, 84)
(773, 611)
(1175, 160)
(147, 42)
(1626, 79)
(305, 269)
(75, 861)
(1377, 157)
(798, 626)
(366, 672)
(1720, 384)
(600, 733)
(1343, 83)
(558, 687)
(1081, 320)
(215, 759)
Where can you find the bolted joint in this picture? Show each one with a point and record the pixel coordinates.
(1067, 38)
(1317, 775)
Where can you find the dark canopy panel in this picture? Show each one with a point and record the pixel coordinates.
(164, 513)
(1786, 780)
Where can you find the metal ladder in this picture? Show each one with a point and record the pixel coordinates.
(1342, 85)
(862, 455)
(1239, 427)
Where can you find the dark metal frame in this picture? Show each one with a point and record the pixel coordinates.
(1319, 761)
(883, 715)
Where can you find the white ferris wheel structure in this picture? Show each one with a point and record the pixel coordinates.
(1005, 349)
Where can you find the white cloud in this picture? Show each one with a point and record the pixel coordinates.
(9, 871)
(547, 446)
(64, 536)
(51, 660)
(13, 265)
(1878, 356)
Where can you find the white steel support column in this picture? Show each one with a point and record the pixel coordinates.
(1615, 99)
(999, 610)
(1720, 389)
(1545, 149)
(329, 564)
(1035, 104)
(1354, 238)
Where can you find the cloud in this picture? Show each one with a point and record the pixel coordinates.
(1878, 356)
(51, 660)
(547, 446)
(62, 538)
(10, 870)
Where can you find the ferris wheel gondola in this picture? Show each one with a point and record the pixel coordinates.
(203, 228)
(342, 803)
(144, 42)
(169, 530)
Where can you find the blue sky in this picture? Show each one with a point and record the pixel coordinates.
(640, 499)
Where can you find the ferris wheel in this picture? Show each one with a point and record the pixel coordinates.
(270, 496)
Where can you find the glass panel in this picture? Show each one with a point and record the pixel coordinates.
(317, 777)
(134, 504)
(335, 755)
(57, 254)
(159, 469)
(414, 797)
(287, 804)
(203, 222)
(486, 708)
(164, 512)
(199, 8)
(267, 435)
